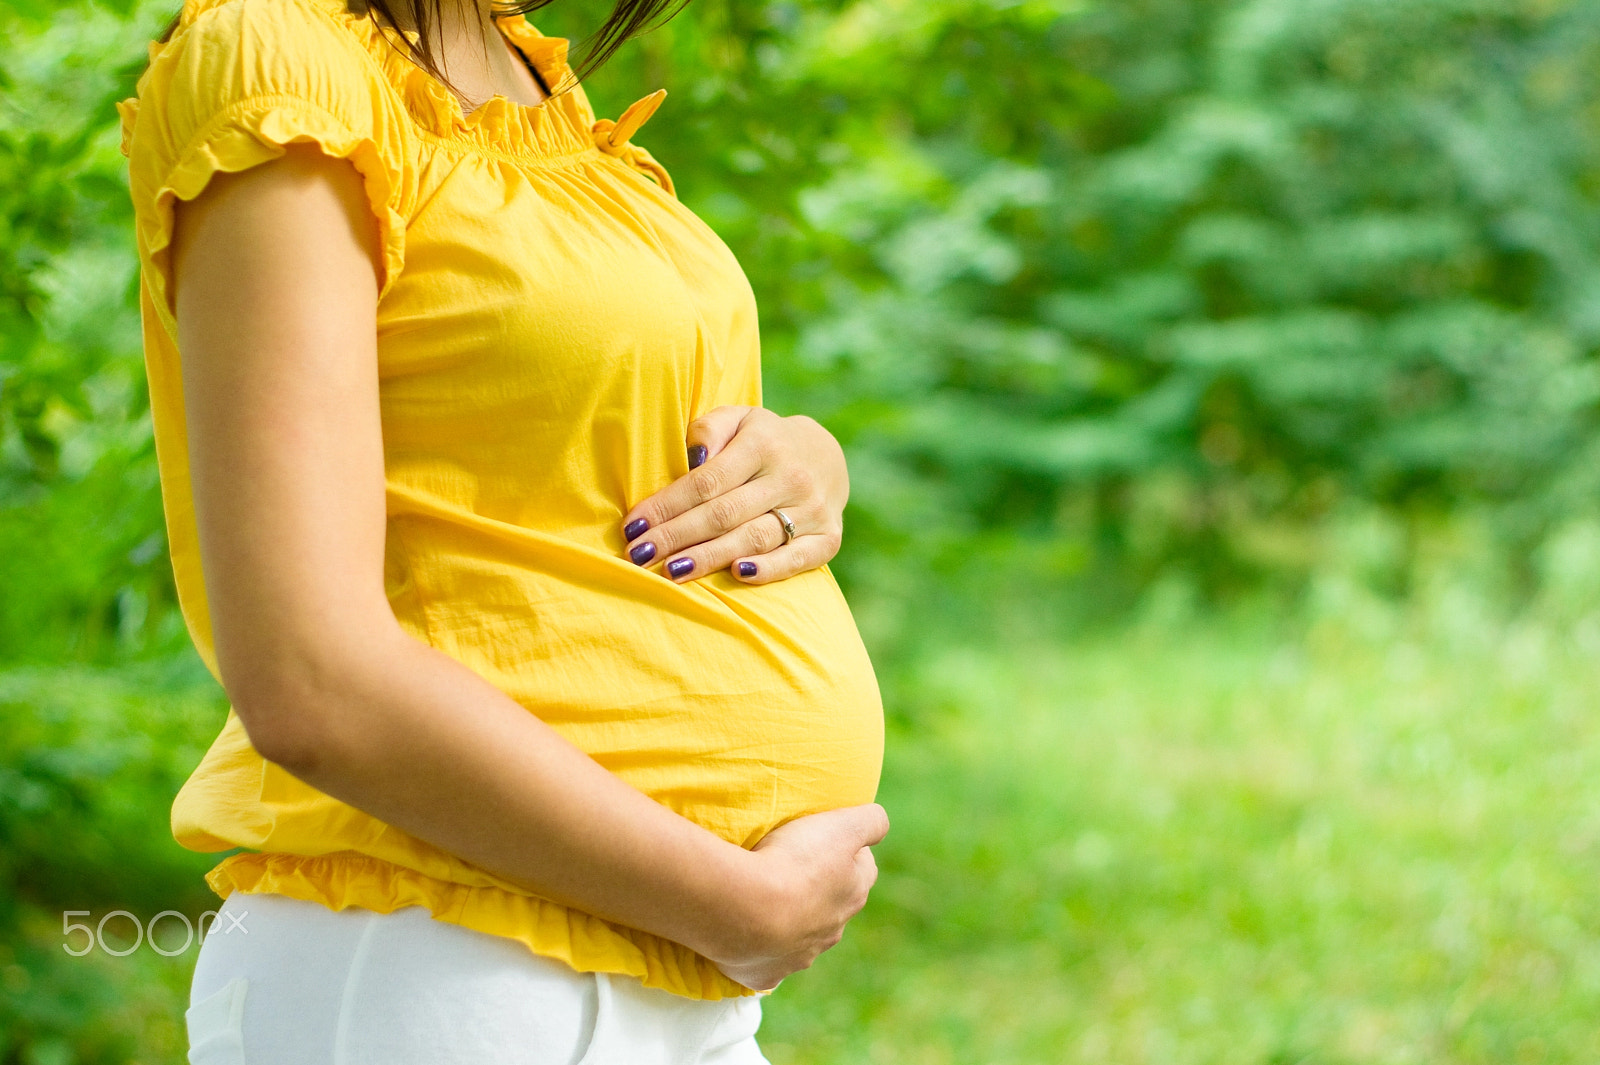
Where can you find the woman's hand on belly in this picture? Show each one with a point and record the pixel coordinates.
(719, 514)
(812, 875)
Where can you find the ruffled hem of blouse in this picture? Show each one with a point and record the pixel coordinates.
(585, 942)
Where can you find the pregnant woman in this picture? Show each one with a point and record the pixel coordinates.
(551, 736)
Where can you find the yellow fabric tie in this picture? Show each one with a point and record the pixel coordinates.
(613, 139)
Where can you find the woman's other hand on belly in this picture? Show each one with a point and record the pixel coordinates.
(744, 461)
(811, 876)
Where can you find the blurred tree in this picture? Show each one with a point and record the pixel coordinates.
(82, 554)
(93, 744)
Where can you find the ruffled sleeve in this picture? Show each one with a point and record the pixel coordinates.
(239, 80)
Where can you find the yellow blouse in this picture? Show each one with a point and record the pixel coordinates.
(550, 320)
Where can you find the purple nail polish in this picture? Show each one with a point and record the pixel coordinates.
(680, 567)
(643, 553)
(697, 456)
(747, 569)
(634, 528)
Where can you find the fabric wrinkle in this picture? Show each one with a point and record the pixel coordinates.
(353, 976)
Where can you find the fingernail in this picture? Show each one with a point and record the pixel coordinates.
(697, 456)
(643, 553)
(747, 569)
(680, 567)
(634, 528)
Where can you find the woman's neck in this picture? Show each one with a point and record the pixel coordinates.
(474, 55)
(454, 15)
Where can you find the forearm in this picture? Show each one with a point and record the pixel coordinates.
(419, 741)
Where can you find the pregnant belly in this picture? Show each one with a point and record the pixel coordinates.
(738, 706)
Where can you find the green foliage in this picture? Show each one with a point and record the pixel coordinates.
(82, 552)
(93, 744)
(1119, 307)
(89, 762)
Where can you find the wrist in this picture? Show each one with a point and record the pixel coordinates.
(738, 907)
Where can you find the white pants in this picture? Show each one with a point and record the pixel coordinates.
(279, 981)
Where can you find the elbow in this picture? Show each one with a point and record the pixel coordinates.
(286, 722)
(290, 700)
(290, 740)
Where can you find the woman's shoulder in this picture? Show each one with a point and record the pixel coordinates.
(288, 28)
(226, 56)
(235, 83)
(223, 50)
(306, 22)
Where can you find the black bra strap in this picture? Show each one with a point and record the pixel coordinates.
(531, 68)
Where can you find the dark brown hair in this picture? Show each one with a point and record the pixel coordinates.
(628, 19)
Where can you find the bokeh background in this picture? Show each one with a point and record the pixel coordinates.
(1220, 385)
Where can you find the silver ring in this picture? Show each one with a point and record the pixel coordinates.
(789, 532)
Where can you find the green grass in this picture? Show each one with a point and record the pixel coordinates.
(1365, 841)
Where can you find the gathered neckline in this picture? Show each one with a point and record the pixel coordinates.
(558, 125)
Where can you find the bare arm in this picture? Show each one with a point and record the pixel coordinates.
(276, 293)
